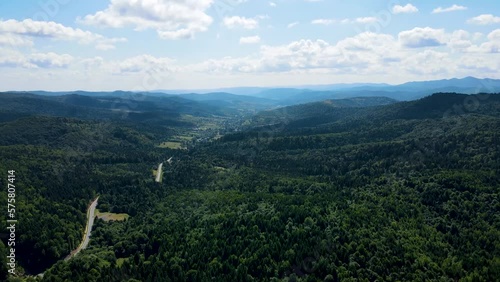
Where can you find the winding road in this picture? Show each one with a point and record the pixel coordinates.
(88, 229)
(158, 173)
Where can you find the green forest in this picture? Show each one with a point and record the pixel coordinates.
(361, 190)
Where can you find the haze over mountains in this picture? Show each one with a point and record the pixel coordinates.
(401, 92)
(258, 98)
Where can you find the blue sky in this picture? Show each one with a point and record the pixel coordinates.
(193, 44)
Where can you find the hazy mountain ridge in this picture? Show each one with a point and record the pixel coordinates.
(258, 98)
(437, 105)
(91, 107)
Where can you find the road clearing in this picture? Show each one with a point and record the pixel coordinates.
(158, 173)
(88, 229)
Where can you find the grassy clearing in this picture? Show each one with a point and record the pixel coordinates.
(109, 216)
(171, 145)
(183, 137)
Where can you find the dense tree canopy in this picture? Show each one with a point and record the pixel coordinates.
(403, 192)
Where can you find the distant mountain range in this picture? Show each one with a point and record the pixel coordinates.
(259, 98)
(402, 92)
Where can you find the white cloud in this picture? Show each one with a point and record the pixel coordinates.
(236, 21)
(368, 55)
(225, 65)
(22, 32)
(143, 63)
(91, 63)
(477, 36)
(479, 64)
(323, 21)
(361, 54)
(452, 8)
(262, 17)
(13, 40)
(408, 8)
(484, 19)
(296, 55)
(494, 35)
(460, 40)
(33, 28)
(171, 19)
(50, 60)
(490, 46)
(422, 37)
(250, 40)
(272, 4)
(428, 62)
(360, 20)
(365, 20)
(11, 58)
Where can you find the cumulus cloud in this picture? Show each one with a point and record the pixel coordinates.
(250, 40)
(323, 21)
(33, 28)
(367, 54)
(172, 19)
(225, 65)
(460, 40)
(428, 62)
(11, 58)
(408, 8)
(298, 54)
(360, 20)
(22, 32)
(291, 25)
(490, 46)
(108, 44)
(422, 37)
(452, 8)
(359, 54)
(144, 63)
(50, 60)
(14, 40)
(479, 64)
(90, 63)
(365, 20)
(484, 19)
(236, 21)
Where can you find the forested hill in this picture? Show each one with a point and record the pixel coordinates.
(434, 106)
(134, 107)
(316, 192)
(407, 191)
(68, 149)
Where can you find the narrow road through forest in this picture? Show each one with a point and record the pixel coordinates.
(88, 229)
(158, 173)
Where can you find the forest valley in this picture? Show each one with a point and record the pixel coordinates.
(361, 189)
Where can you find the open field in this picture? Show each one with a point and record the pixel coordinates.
(171, 145)
(109, 216)
(183, 137)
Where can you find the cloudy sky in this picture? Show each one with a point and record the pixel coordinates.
(193, 44)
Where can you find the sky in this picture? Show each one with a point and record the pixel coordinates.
(145, 45)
